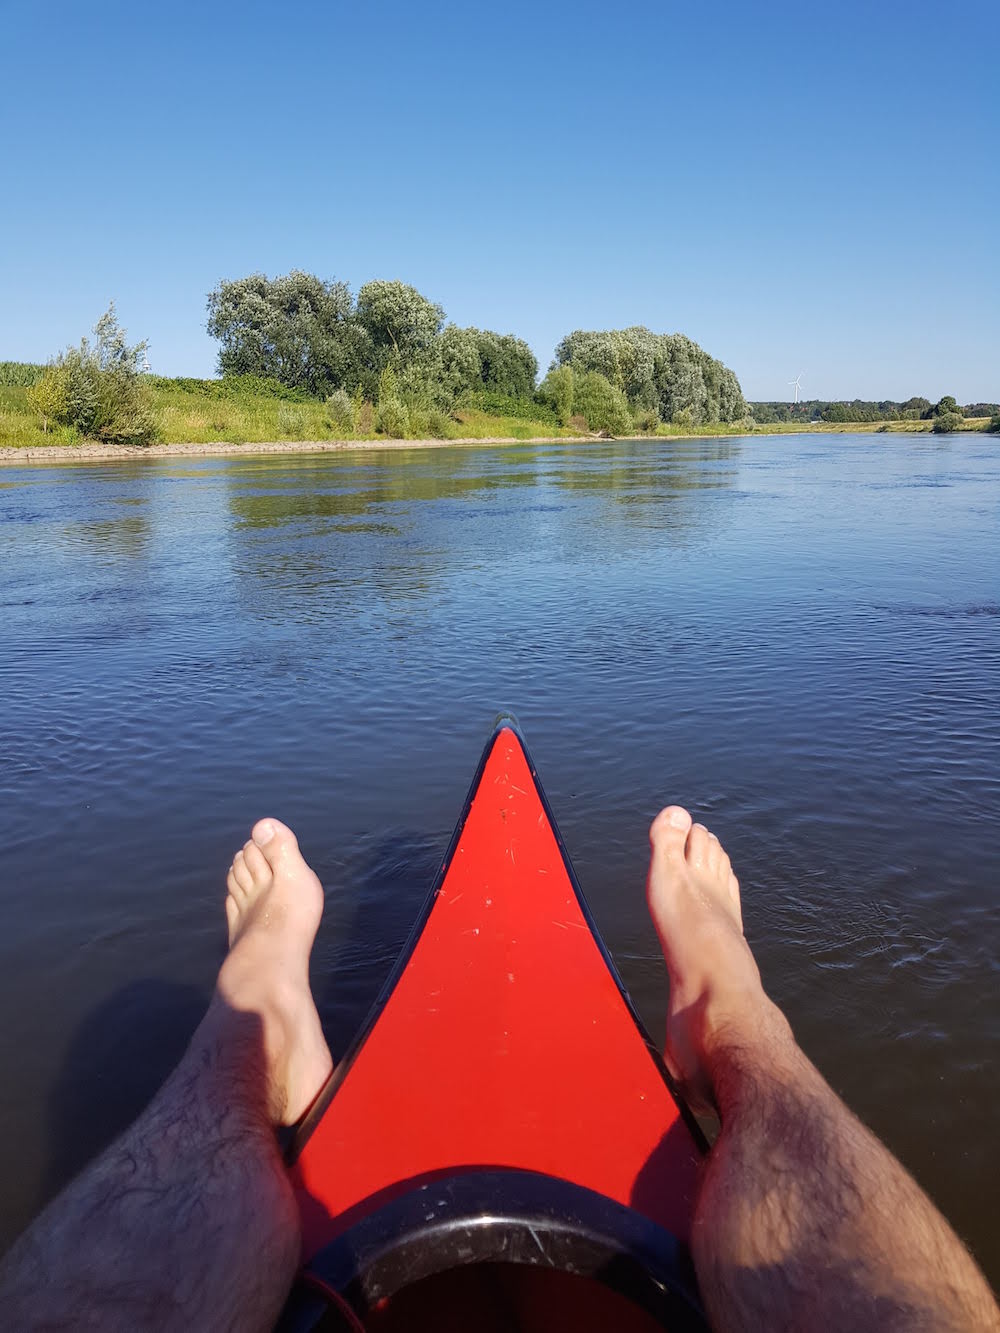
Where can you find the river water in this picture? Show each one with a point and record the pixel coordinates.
(797, 637)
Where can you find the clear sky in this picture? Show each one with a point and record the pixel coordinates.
(799, 188)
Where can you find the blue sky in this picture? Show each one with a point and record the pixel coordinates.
(799, 188)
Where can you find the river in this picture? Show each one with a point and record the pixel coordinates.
(798, 637)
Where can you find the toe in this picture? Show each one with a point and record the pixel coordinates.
(275, 840)
(256, 864)
(241, 872)
(714, 854)
(734, 894)
(668, 832)
(234, 887)
(699, 844)
(232, 914)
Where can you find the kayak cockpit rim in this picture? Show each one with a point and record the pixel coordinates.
(514, 1219)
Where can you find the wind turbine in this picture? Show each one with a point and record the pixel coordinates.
(796, 384)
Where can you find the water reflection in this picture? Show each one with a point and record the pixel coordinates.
(369, 530)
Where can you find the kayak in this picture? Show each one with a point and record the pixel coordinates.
(502, 1143)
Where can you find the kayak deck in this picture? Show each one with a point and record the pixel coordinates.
(503, 1040)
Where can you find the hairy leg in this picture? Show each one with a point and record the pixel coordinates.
(804, 1219)
(188, 1220)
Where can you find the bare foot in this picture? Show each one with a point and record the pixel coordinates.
(274, 906)
(716, 997)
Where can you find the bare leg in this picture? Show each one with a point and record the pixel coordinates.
(188, 1220)
(805, 1220)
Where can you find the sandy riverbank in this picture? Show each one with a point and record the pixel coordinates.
(106, 453)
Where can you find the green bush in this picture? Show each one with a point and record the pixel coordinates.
(647, 422)
(994, 426)
(233, 387)
(341, 411)
(946, 422)
(556, 393)
(429, 424)
(99, 389)
(48, 396)
(438, 425)
(392, 419)
(290, 423)
(602, 403)
(506, 405)
(366, 419)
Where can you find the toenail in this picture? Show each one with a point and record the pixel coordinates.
(678, 819)
(263, 833)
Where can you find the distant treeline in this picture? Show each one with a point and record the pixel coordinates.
(913, 409)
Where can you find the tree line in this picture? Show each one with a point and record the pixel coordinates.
(387, 361)
(859, 410)
(391, 347)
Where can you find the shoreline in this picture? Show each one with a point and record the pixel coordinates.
(108, 453)
(94, 452)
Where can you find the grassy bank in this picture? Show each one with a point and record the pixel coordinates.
(193, 412)
(205, 412)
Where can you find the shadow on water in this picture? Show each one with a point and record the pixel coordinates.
(124, 1049)
(116, 1061)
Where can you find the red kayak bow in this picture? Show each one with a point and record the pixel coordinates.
(502, 1104)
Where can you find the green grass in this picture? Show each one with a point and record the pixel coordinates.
(472, 423)
(202, 412)
(668, 429)
(189, 417)
(21, 426)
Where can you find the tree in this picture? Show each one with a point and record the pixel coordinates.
(461, 367)
(945, 422)
(915, 408)
(99, 388)
(49, 396)
(400, 323)
(838, 412)
(661, 372)
(763, 413)
(296, 329)
(507, 364)
(947, 406)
